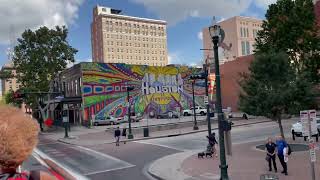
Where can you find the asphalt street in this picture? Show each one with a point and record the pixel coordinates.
(130, 161)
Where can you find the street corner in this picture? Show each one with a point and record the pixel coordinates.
(201, 168)
(170, 167)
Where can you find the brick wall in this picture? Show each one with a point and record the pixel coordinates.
(230, 76)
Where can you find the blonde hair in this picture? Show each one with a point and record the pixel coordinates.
(18, 137)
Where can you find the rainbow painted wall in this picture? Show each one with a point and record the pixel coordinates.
(156, 89)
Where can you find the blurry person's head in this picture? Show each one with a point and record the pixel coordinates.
(269, 140)
(18, 137)
(279, 138)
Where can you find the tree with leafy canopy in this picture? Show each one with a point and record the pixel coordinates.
(291, 27)
(39, 56)
(272, 89)
(9, 99)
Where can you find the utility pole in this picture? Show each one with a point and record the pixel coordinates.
(217, 34)
(311, 146)
(195, 127)
(205, 68)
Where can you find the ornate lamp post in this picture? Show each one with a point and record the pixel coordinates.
(217, 36)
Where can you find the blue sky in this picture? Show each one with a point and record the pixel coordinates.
(185, 20)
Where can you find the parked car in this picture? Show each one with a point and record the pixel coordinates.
(199, 110)
(296, 128)
(168, 115)
(108, 121)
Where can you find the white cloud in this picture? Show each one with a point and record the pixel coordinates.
(17, 15)
(200, 35)
(174, 11)
(264, 3)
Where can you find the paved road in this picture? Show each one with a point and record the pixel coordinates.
(199, 141)
(130, 161)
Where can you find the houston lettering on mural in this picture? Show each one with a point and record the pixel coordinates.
(156, 89)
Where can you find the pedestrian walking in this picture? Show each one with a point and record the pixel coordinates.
(282, 147)
(124, 134)
(18, 138)
(271, 154)
(212, 143)
(117, 134)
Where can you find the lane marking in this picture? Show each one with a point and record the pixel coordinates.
(124, 164)
(104, 155)
(73, 173)
(108, 170)
(161, 145)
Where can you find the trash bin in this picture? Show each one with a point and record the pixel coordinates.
(269, 177)
(145, 132)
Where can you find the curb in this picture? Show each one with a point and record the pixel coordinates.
(170, 135)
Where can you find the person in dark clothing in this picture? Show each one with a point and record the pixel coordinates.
(271, 154)
(117, 134)
(282, 146)
(212, 139)
(124, 134)
(212, 143)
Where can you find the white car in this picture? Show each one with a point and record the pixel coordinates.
(296, 128)
(108, 121)
(199, 110)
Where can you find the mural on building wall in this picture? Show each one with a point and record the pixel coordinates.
(157, 90)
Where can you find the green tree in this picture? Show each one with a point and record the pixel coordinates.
(272, 89)
(6, 74)
(38, 57)
(9, 99)
(291, 27)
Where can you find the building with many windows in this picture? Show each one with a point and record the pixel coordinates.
(118, 38)
(10, 83)
(240, 34)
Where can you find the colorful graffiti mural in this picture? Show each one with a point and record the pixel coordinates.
(156, 89)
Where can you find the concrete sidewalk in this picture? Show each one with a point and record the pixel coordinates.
(92, 137)
(246, 163)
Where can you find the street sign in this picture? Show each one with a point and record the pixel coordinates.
(304, 117)
(206, 100)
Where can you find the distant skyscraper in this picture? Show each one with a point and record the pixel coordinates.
(118, 38)
(11, 83)
(240, 34)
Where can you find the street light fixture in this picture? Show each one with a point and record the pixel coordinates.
(129, 88)
(217, 35)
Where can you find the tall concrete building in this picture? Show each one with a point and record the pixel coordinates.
(240, 34)
(118, 38)
(11, 83)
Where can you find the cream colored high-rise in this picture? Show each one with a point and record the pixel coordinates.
(11, 83)
(240, 34)
(118, 38)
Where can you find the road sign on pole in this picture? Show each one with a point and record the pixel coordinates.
(309, 127)
(206, 100)
(306, 117)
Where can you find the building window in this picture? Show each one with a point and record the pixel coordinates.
(247, 31)
(248, 47)
(243, 48)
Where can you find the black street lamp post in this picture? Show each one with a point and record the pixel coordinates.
(195, 127)
(205, 68)
(217, 35)
(129, 88)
